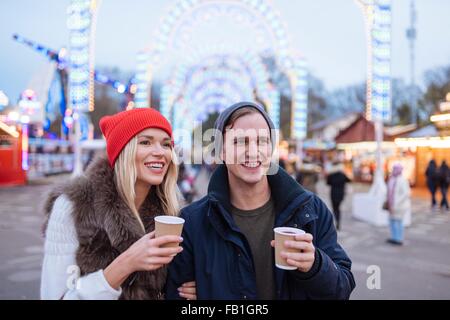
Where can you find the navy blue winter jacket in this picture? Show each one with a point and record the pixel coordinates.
(218, 257)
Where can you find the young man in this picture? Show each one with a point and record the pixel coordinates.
(228, 247)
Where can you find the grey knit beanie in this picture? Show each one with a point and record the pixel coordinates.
(226, 114)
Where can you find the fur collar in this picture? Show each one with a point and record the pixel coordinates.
(106, 227)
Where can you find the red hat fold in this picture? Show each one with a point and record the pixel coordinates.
(120, 128)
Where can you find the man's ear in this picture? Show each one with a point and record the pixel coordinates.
(222, 152)
(218, 150)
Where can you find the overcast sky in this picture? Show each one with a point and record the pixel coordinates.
(330, 34)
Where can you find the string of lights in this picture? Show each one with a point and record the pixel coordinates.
(377, 15)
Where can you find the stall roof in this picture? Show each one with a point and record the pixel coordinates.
(362, 130)
(359, 130)
(400, 130)
(327, 122)
(318, 145)
(427, 131)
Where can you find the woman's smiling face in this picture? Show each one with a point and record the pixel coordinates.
(153, 156)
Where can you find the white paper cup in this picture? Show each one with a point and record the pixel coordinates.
(283, 234)
(168, 225)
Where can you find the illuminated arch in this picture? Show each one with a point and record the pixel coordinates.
(242, 10)
(174, 33)
(227, 78)
(257, 14)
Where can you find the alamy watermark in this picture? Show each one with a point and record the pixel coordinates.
(374, 280)
(240, 145)
(74, 275)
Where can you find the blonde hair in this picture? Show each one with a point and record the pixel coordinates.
(125, 173)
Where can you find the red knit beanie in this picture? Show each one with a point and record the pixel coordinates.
(120, 128)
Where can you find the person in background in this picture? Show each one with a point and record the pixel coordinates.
(433, 179)
(187, 186)
(444, 173)
(399, 203)
(282, 163)
(337, 180)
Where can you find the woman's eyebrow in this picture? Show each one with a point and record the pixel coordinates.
(152, 137)
(148, 137)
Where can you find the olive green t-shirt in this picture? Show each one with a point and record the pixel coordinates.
(257, 226)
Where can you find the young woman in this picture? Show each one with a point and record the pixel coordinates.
(99, 239)
(399, 203)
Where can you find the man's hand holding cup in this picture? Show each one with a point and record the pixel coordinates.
(293, 249)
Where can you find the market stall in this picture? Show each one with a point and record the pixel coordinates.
(11, 158)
